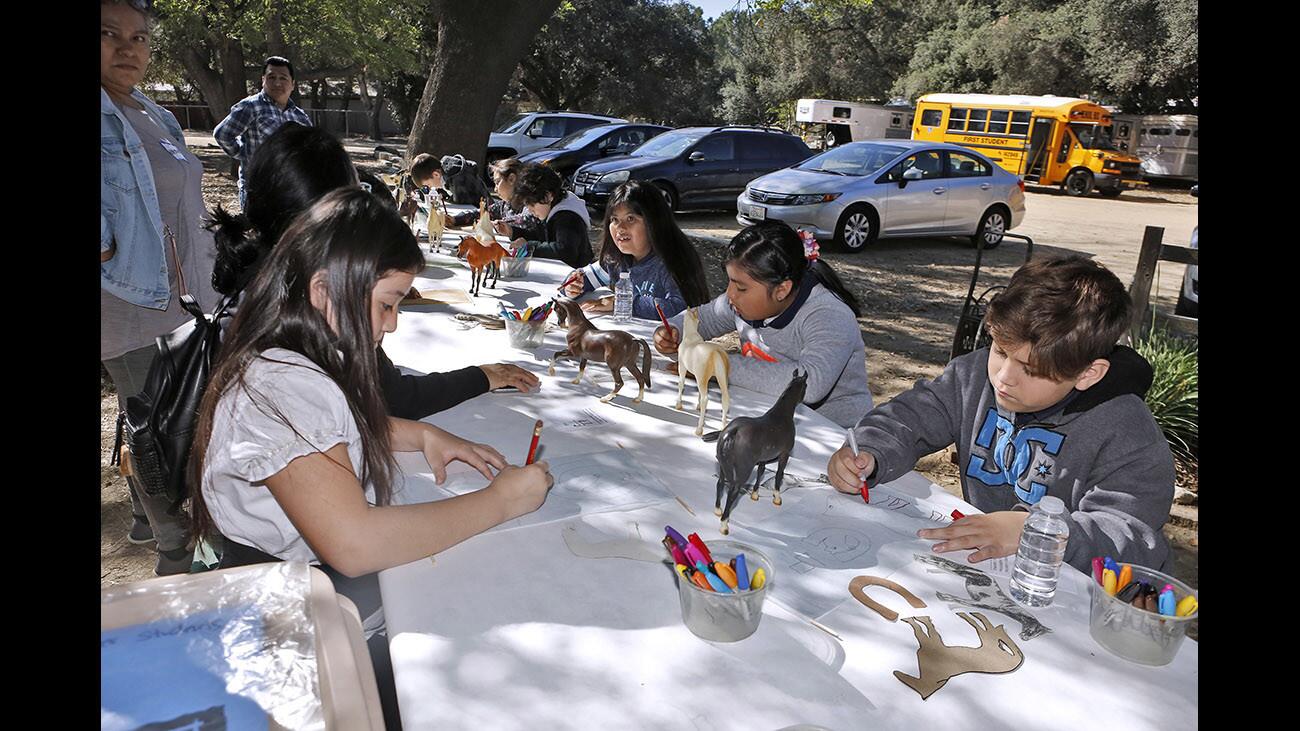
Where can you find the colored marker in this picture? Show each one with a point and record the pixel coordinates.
(957, 515)
(681, 570)
(742, 572)
(717, 583)
(532, 448)
(1186, 606)
(1096, 569)
(1149, 601)
(726, 573)
(1109, 563)
(853, 444)
(667, 328)
(1125, 576)
(694, 555)
(1128, 592)
(698, 579)
(678, 538)
(1166, 604)
(1139, 599)
(678, 555)
(759, 579)
(694, 538)
(1108, 581)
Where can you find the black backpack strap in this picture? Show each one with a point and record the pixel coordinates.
(116, 458)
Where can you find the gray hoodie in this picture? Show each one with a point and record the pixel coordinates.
(1099, 450)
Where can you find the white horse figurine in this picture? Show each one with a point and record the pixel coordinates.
(706, 361)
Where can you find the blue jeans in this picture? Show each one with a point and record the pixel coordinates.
(128, 372)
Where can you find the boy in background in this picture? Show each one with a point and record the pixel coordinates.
(1054, 407)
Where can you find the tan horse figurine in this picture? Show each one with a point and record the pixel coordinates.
(614, 348)
(706, 361)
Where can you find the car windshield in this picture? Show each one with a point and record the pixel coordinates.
(669, 144)
(512, 125)
(853, 159)
(581, 138)
(1093, 136)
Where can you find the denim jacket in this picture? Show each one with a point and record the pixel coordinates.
(128, 207)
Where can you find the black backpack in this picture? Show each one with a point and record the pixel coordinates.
(158, 424)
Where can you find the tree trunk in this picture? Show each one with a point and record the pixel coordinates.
(275, 45)
(472, 64)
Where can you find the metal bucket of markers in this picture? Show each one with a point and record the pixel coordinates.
(515, 267)
(727, 617)
(1138, 635)
(525, 334)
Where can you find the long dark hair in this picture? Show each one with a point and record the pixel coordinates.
(666, 238)
(291, 170)
(355, 240)
(771, 252)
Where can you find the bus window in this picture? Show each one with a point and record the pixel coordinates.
(1093, 136)
(957, 119)
(932, 117)
(998, 121)
(1183, 132)
(978, 118)
(1020, 124)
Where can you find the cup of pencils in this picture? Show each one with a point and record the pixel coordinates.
(722, 595)
(1138, 613)
(526, 328)
(515, 266)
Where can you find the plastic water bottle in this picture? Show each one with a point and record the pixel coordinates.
(623, 297)
(1042, 549)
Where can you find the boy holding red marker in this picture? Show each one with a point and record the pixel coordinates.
(1054, 407)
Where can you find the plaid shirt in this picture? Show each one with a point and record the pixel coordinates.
(250, 122)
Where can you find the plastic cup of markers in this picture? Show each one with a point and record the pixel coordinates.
(1143, 637)
(515, 267)
(525, 334)
(728, 617)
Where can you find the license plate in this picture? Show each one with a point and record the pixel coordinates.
(578, 190)
(758, 212)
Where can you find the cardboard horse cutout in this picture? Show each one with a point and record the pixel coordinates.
(614, 348)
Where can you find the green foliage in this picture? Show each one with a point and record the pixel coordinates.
(1173, 396)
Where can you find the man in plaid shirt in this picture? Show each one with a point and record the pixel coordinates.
(254, 118)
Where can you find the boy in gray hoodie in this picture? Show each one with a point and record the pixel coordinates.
(1054, 407)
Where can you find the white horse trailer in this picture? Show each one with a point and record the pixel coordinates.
(1167, 144)
(832, 122)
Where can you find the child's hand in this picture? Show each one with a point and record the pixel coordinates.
(501, 227)
(514, 245)
(500, 375)
(994, 534)
(573, 284)
(522, 489)
(441, 448)
(604, 304)
(666, 339)
(845, 470)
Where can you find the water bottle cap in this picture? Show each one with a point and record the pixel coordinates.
(624, 275)
(1051, 505)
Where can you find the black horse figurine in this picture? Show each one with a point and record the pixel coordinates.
(754, 441)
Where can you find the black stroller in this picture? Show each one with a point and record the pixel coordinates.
(970, 326)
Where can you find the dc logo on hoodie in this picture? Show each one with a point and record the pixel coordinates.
(1013, 456)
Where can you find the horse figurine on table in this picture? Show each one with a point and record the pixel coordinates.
(483, 259)
(704, 360)
(614, 348)
(754, 441)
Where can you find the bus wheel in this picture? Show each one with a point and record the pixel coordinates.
(857, 228)
(1079, 182)
(991, 228)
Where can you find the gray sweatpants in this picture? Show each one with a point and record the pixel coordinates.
(128, 372)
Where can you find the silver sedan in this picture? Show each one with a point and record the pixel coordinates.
(854, 193)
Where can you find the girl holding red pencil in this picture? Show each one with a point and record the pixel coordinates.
(642, 238)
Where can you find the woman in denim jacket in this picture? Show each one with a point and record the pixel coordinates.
(152, 247)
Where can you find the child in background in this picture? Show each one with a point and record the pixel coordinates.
(565, 217)
(1054, 407)
(293, 449)
(792, 311)
(642, 238)
(517, 223)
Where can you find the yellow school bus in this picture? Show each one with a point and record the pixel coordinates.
(1047, 140)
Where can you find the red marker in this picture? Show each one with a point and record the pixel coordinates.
(956, 515)
(667, 328)
(532, 448)
(695, 540)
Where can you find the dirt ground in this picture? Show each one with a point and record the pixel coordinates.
(912, 291)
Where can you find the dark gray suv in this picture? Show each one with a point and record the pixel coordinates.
(694, 167)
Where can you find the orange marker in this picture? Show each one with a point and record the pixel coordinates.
(1125, 576)
(700, 581)
(726, 573)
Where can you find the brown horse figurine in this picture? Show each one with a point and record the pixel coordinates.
(481, 257)
(614, 348)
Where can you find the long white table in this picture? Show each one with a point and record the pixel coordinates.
(569, 618)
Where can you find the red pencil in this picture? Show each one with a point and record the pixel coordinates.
(532, 448)
(667, 328)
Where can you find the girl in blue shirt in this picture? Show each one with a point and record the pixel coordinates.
(642, 238)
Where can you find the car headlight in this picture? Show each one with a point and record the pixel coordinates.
(811, 198)
(615, 178)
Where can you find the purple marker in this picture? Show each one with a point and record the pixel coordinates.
(678, 538)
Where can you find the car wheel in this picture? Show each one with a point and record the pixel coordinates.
(857, 228)
(991, 228)
(1110, 192)
(1186, 307)
(1079, 182)
(666, 192)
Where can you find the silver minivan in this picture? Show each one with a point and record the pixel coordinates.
(854, 193)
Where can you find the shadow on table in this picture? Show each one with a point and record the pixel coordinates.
(625, 396)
